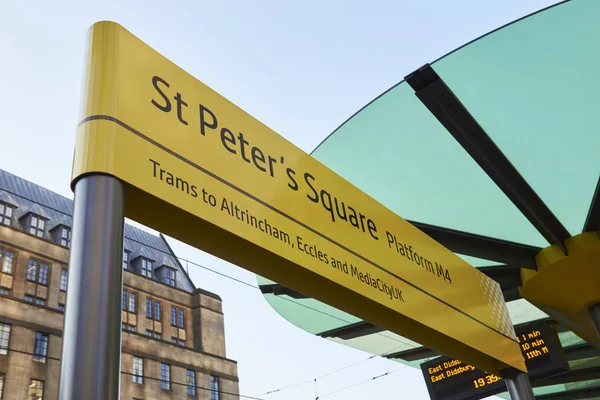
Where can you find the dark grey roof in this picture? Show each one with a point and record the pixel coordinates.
(29, 197)
(62, 220)
(28, 190)
(165, 261)
(141, 251)
(8, 199)
(33, 209)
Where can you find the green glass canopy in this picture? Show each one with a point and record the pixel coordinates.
(531, 86)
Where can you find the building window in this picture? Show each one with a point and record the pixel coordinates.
(151, 334)
(61, 307)
(165, 376)
(125, 259)
(5, 292)
(138, 370)
(124, 301)
(146, 268)
(190, 379)
(180, 318)
(65, 237)
(43, 274)
(36, 390)
(170, 277)
(148, 307)
(157, 310)
(40, 350)
(131, 303)
(214, 388)
(6, 259)
(6, 213)
(4, 338)
(1, 385)
(177, 317)
(37, 225)
(153, 309)
(33, 299)
(63, 279)
(37, 271)
(128, 327)
(32, 270)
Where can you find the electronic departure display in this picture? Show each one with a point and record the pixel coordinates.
(450, 379)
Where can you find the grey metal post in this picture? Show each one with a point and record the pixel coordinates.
(519, 387)
(595, 313)
(91, 352)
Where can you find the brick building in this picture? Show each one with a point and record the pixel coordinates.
(173, 343)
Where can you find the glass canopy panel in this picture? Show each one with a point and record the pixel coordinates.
(533, 87)
(561, 388)
(309, 314)
(478, 262)
(381, 343)
(569, 339)
(583, 385)
(522, 311)
(396, 151)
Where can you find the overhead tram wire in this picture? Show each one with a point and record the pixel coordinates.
(27, 353)
(189, 386)
(330, 373)
(256, 287)
(310, 308)
(316, 310)
(284, 298)
(362, 382)
(220, 273)
(47, 357)
(9, 350)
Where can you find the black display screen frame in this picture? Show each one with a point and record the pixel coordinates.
(542, 351)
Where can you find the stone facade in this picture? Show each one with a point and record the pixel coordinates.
(184, 333)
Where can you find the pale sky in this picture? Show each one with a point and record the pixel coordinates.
(300, 67)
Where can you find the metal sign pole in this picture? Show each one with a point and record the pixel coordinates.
(91, 352)
(519, 387)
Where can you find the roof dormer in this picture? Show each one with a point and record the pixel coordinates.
(34, 221)
(7, 208)
(166, 271)
(142, 262)
(61, 231)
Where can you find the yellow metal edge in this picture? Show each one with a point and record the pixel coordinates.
(583, 242)
(526, 274)
(548, 255)
(100, 85)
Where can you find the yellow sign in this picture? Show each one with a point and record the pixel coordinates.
(202, 170)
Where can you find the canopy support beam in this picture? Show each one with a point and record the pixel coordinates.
(454, 116)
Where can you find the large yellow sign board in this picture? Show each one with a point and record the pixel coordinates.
(202, 170)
